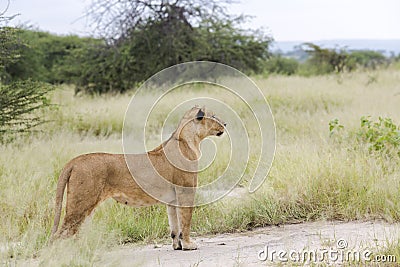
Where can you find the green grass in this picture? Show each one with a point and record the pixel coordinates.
(314, 175)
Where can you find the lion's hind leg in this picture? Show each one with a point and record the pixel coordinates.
(74, 217)
(80, 204)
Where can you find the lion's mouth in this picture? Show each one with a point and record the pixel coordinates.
(219, 133)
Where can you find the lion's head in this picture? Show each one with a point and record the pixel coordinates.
(201, 123)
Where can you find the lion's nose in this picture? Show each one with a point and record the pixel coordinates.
(224, 124)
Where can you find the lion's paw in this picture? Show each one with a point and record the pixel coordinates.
(176, 244)
(189, 245)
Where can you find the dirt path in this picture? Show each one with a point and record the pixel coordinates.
(243, 249)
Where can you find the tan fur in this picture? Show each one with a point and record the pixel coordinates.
(93, 178)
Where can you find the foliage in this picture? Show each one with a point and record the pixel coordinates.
(119, 19)
(382, 136)
(18, 101)
(8, 49)
(103, 69)
(368, 59)
(281, 65)
(335, 126)
(46, 57)
(223, 41)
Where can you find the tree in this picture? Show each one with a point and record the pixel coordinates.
(144, 37)
(328, 60)
(116, 19)
(225, 42)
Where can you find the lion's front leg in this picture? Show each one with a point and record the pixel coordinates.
(174, 227)
(185, 219)
(185, 197)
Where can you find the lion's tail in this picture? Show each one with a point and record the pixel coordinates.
(62, 182)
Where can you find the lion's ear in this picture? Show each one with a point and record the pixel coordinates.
(200, 115)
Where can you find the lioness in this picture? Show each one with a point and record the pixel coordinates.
(172, 167)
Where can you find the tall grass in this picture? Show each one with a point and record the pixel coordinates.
(313, 176)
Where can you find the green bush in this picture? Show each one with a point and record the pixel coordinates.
(18, 99)
(281, 65)
(9, 50)
(383, 135)
(368, 59)
(335, 127)
(46, 57)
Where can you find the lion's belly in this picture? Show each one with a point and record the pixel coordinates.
(140, 200)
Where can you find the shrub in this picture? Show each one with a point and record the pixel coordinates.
(18, 101)
(335, 127)
(46, 57)
(281, 65)
(368, 59)
(382, 135)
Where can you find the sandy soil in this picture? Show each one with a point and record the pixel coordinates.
(243, 249)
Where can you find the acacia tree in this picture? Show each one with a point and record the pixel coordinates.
(18, 100)
(143, 37)
(328, 60)
(116, 19)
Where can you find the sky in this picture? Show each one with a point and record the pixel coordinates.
(285, 20)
